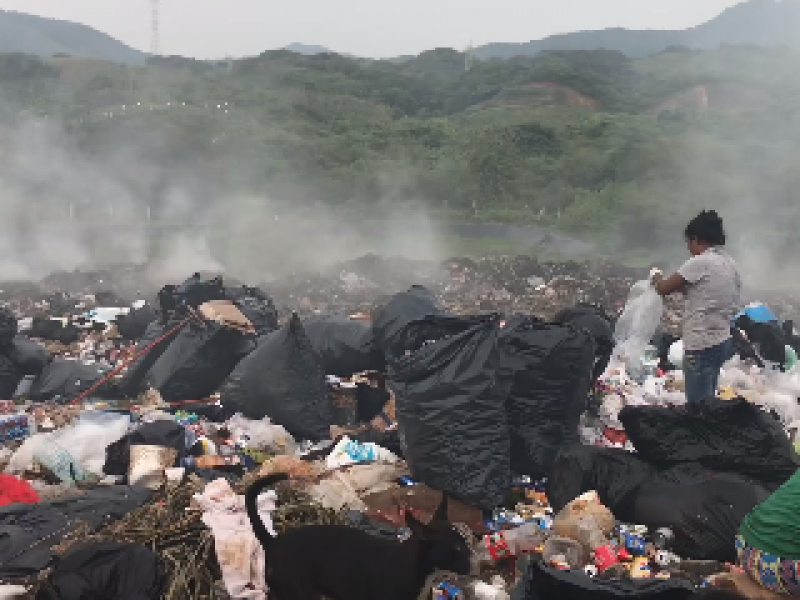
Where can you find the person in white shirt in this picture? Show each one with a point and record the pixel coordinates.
(712, 286)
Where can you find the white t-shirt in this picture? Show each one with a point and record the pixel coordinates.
(713, 297)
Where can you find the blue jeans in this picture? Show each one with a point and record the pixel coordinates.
(701, 370)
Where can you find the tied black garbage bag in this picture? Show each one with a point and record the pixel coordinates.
(8, 326)
(702, 508)
(133, 326)
(540, 582)
(731, 436)
(259, 309)
(552, 371)
(598, 324)
(132, 382)
(45, 328)
(344, 346)
(769, 338)
(613, 473)
(198, 361)
(390, 320)
(107, 570)
(67, 379)
(10, 377)
(31, 358)
(196, 291)
(282, 379)
(452, 418)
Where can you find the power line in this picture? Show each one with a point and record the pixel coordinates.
(155, 41)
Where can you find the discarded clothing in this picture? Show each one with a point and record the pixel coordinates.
(240, 554)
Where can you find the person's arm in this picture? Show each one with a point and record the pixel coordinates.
(670, 285)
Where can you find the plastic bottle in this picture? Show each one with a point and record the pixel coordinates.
(513, 542)
(604, 552)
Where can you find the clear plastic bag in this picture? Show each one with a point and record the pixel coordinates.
(637, 324)
(85, 441)
(262, 434)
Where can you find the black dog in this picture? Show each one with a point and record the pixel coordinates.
(344, 563)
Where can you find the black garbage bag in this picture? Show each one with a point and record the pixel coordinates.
(259, 309)
(703, 509)
(132, 382)
(744, 349)
(116, 570)
(46, 328)
(769, 338)
(30, 357)
(541, 582)
(133, 326)
(198, 361)
(196, 291)
(68, 334)
(389, 320)
(370, 402)
(28, 532)
(10, 377)
(344, 346)
(451, 414)
(166, 434)
(791, 339)
(662, 342)
(614, 473)
(282, 379)
(731, 436)
(598, 324)
(552, 366)
(167, 302)
(67, 379)
(9, 327)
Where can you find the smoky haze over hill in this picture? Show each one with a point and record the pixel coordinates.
(285, 161)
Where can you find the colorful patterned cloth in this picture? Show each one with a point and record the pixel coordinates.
(770, 571)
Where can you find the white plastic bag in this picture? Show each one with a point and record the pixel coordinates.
(637, 324)
(89, 437)
(262, 434)
(85, 441)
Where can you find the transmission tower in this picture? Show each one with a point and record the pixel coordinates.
(155, 42)
(469, 57)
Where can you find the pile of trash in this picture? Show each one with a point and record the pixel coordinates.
(544, 402)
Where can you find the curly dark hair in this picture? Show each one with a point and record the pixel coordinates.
(706, 227)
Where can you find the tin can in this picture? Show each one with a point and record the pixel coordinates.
(663, 538)
(640, 569)
(497, 547)
(14, 427)
(605, 556)
(664, 559)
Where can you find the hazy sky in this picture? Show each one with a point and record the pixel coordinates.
(376, 28)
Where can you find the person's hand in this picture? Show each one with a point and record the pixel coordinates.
(655, 277)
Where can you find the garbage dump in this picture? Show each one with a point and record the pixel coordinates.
(541, 403)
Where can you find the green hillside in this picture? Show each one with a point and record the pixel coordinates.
(588, 142)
